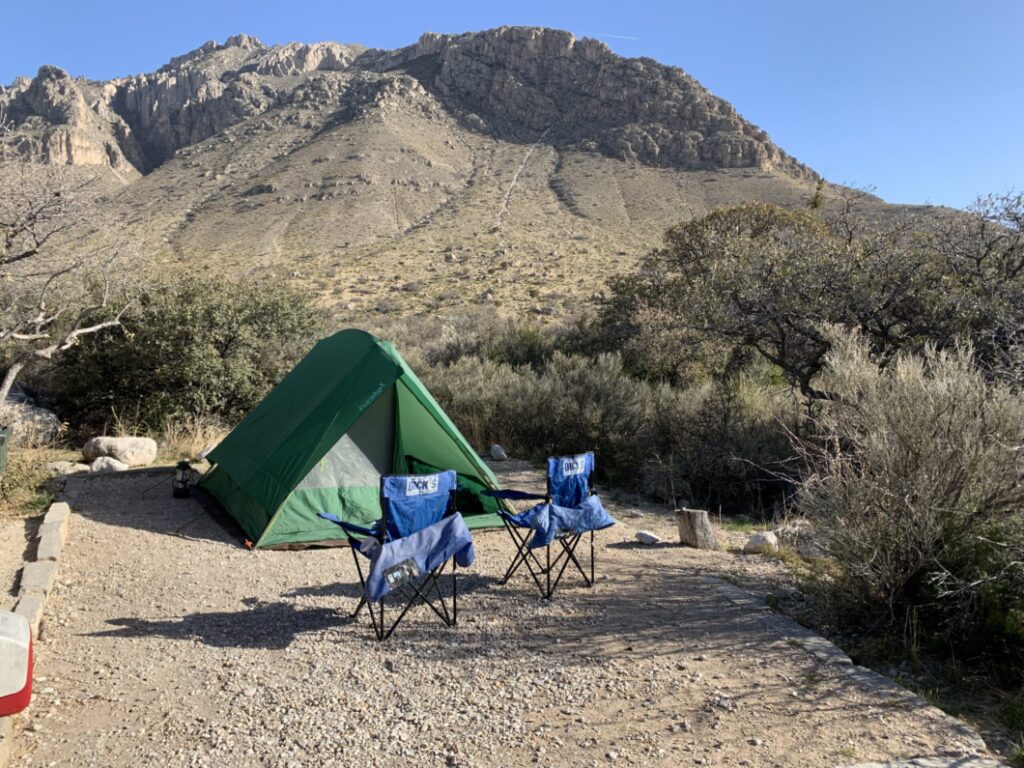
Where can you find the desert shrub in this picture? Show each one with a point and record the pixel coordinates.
(723, 444)
(187, 437)
(192, 348)
(580, 403)
(917, 489)
(481, 395)
(713, 444)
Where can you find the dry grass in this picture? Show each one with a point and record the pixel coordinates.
(176, 440)
(186, 439)
(27, 487)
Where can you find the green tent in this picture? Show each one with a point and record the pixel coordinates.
(349, 412)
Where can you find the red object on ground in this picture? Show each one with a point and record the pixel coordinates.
(15, 663)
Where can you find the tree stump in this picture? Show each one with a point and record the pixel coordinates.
(695, 529)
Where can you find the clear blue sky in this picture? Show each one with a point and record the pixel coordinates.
(921, 99)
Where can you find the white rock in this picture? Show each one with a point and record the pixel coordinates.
(107, 464)
(133, 451)
(761, 541)
(498, 453)
(66, 467)
(648, 538)
(30, 424)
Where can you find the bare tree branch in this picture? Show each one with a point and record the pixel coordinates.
(56, 284)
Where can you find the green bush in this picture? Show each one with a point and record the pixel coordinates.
(723, 444)
(763, 279)
(711, 444)
(917, 491)
(193, 348)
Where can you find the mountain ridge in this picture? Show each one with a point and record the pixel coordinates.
(513, 82)
(514, 168)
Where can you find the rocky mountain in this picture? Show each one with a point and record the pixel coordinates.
(518, 166)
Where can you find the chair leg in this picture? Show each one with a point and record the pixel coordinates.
(571, 553)
(455, 592)
(440, 597)
(416, 594)
(521, 552)
(377, 620)
(523, 555)
(591, 558)
(359, 607)
(568, 552)
(547, 573)
(362, 580)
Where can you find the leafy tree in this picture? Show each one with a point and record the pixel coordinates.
(762, 278)
(194, 348)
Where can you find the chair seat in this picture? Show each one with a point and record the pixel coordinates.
(418, 533)
(550, 520)
(428, 548)
(569, 510)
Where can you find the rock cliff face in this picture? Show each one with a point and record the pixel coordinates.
(519, 84)
(528, 83)
(58, 123)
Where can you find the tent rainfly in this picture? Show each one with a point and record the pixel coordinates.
(349, 412)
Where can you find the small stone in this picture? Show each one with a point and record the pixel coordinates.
(107, 464)
(760, 542)
(66, 467)
(647, 538)
(249, 692)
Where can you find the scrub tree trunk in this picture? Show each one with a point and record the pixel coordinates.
(54, 288)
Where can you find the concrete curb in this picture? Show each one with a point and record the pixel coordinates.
(968, 748)
(37, 579)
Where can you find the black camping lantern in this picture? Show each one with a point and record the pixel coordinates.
(180, 483)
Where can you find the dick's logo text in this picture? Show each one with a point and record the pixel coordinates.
(575, 465)
(418, 486)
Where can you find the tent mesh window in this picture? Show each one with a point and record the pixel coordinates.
(362, 454)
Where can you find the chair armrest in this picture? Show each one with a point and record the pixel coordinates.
(350, 528)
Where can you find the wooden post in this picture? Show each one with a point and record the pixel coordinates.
(695, 529)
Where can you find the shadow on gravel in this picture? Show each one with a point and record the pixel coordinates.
(468, 583)
(147, 505)
(272, 626)
(630, 545)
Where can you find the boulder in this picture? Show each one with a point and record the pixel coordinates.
(108, 464)
(133, 451)
(761, 542)
(30, 424)
(498, 453)
(648, 538)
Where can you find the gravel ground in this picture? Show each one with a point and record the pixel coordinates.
(167, 643)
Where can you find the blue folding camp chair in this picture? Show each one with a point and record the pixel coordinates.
(568, 510)
(409, 547)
